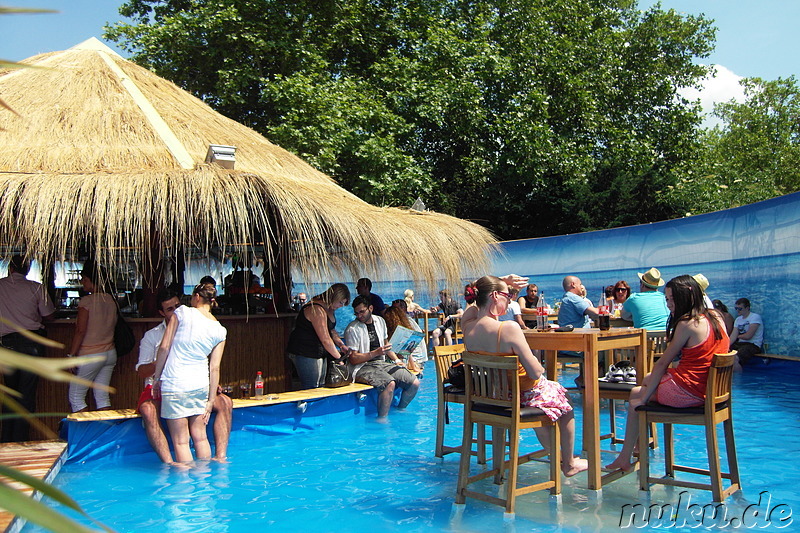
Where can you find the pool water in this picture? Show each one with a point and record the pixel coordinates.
(346, 472)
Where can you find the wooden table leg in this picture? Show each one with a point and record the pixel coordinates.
(591, 417)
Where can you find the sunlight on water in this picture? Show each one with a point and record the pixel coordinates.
(348, 473)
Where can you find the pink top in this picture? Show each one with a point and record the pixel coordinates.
(102, 319)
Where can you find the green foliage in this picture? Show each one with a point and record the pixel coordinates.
(537, 116)
(753, 156)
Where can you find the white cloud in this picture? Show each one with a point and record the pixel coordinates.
(722, 85)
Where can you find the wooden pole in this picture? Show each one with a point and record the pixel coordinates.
(152, 274)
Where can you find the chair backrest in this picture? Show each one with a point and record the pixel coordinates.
(492, 379)
(656, 343)
(443, 357)
(457, 333)
(720, 375)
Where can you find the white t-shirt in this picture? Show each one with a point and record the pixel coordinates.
(186, 368)
(513, 310)
(148, 348)
(743, 324)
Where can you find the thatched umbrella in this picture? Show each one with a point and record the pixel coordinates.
(101, 152)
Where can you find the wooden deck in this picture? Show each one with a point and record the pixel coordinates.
(43, 459)
(38, 459)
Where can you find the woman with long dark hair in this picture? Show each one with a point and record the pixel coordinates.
(314, 337)
(187, 372)
(696, 333)
(483, 333)
(94, 335)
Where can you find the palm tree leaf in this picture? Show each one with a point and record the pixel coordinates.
(38, 513)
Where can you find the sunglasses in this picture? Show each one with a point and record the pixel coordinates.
(507, 295)
(621, 289)
(738, 308)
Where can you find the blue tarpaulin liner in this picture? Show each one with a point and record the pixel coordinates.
(110, 440)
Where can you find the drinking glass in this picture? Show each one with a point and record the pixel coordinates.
(244, 387)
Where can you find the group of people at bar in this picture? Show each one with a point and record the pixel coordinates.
(179, 359)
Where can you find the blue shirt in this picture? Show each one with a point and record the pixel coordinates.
(378, 306)
(572, 311)
(648, 310)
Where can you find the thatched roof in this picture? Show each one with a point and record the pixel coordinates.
(103, 150)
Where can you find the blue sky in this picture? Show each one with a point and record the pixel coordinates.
(754, 38)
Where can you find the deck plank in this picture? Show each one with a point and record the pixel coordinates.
(38, 459)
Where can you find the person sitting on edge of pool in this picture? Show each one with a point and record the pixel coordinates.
(367, 337)
(187, 373)
(748, 333)
(150, 409)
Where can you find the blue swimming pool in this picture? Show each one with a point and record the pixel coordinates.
(336, 469)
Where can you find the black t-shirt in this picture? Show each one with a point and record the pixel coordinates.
(374, 341)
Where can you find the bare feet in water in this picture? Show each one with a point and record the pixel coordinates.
(576, 466)
(620, 464)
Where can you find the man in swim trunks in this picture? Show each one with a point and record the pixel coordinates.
(150, 409)
(368, 338)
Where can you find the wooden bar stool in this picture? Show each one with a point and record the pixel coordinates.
(446, 394)
(656, 344)
(717, 408)
(492, 399)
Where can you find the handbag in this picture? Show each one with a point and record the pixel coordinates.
(455, 374)
(338, 375)
(124, 339)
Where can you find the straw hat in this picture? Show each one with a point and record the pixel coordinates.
(651, 278)
(702, 281)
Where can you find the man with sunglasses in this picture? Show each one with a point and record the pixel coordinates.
(748, 333)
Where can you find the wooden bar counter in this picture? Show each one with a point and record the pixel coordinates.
(255, 342)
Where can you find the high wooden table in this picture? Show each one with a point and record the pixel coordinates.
(591, 342)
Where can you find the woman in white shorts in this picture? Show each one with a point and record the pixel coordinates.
(187, 372)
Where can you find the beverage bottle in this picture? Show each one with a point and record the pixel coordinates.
(541, 314)
(604, 322)
(259, 386)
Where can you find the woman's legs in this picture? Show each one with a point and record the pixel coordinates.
(623, 460)
(197, 429)
(77, 391)
(311, 371)
(570, 464)
(179, 431)
(101, 397)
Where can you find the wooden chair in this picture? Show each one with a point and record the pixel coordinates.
(445, 394)
(428, 322)
(717, 408)
(656, 344)
(458, 335)
(492, 399)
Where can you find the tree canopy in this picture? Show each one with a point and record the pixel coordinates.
(533, 117)
(754, 155)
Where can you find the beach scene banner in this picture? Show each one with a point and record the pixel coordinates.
(751, 251)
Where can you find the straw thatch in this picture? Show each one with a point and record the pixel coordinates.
(83, 161)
